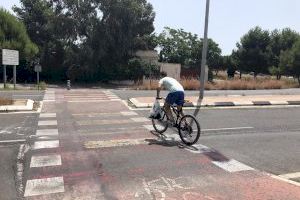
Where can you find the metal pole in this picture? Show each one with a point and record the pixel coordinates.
(38, 79)
(15, 76)
(204, 52)
(4, 76)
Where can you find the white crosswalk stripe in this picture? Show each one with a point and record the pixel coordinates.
(45, 161)
(46, 144)
(44, 186)
(47, 132)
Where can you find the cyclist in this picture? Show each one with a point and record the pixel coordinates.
(175, 96)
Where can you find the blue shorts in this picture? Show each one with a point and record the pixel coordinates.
(175, 98)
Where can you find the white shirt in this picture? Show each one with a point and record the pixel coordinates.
(170, 84)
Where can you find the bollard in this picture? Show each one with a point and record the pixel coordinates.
(68, 84)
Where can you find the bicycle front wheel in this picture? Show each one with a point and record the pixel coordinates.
(189, 130)
(160, 125)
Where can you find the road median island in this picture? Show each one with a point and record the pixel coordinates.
(18, 105)
(226, 101)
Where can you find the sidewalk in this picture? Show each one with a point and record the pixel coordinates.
(225, 101)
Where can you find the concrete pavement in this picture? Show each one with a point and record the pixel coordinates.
(89, 145)
(225, 101)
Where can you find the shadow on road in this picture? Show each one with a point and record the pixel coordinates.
(163, 140)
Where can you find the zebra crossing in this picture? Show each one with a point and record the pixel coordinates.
(47, 126)
(91, 96)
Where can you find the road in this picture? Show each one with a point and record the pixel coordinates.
(90, 145)
(14, 130)
(87, 144)
(265, 138)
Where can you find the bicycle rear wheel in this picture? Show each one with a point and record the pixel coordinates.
(160, 125)
(189, 130)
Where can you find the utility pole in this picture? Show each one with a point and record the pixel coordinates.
(4, 76)
(204, 52)
(15, 75)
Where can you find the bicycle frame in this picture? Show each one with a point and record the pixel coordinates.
(176, 112)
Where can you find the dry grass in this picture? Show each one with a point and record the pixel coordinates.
(236, 84)
(4, 102)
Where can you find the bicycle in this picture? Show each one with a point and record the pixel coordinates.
(187, 125)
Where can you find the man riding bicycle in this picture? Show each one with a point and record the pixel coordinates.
(175, 96)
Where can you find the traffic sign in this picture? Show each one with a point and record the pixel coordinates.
(38, 68)
(10, 57)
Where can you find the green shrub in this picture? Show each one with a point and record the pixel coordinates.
(42, 85)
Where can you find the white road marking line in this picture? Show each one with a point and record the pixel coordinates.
(47, 115)
(93, 101)
(114, 143)
(44, 138)
(87, 98)
(103, 122)
(27, 95)
(45, 161)
(129, 113)
(45, 132)
(44, 186)
(129, 142)
(283, 179)
(47, 123)
(49, 100)
(290, 176)
(46, 144)
(140, 119)
(12, 141)
(198, 149)
(232, 166)
(225, 129)
(150, 127)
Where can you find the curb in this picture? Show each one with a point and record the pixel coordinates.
(27, 107)
(137, 104)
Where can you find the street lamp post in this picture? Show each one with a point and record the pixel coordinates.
(204, 52)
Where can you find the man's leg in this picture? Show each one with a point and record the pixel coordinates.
(169, 112)
(180, 111)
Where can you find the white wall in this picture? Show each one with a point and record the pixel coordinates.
(172, 70)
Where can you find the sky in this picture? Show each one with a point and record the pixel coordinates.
(229, 20)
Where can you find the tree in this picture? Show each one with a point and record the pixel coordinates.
(280, 41)
(214, 58)
(13, 35)
(228, 63)
(252, 51)
(89, 40)
(178, 46)
(296, 60)
(291, 60)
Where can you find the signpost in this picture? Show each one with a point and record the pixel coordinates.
(10, 57)
(38, 69)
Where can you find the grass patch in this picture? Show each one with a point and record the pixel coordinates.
(5, 102)
(235, 84)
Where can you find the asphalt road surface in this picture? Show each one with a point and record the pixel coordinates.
(15, 129)
(90, 145)
(266, 138)
(87, 144)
